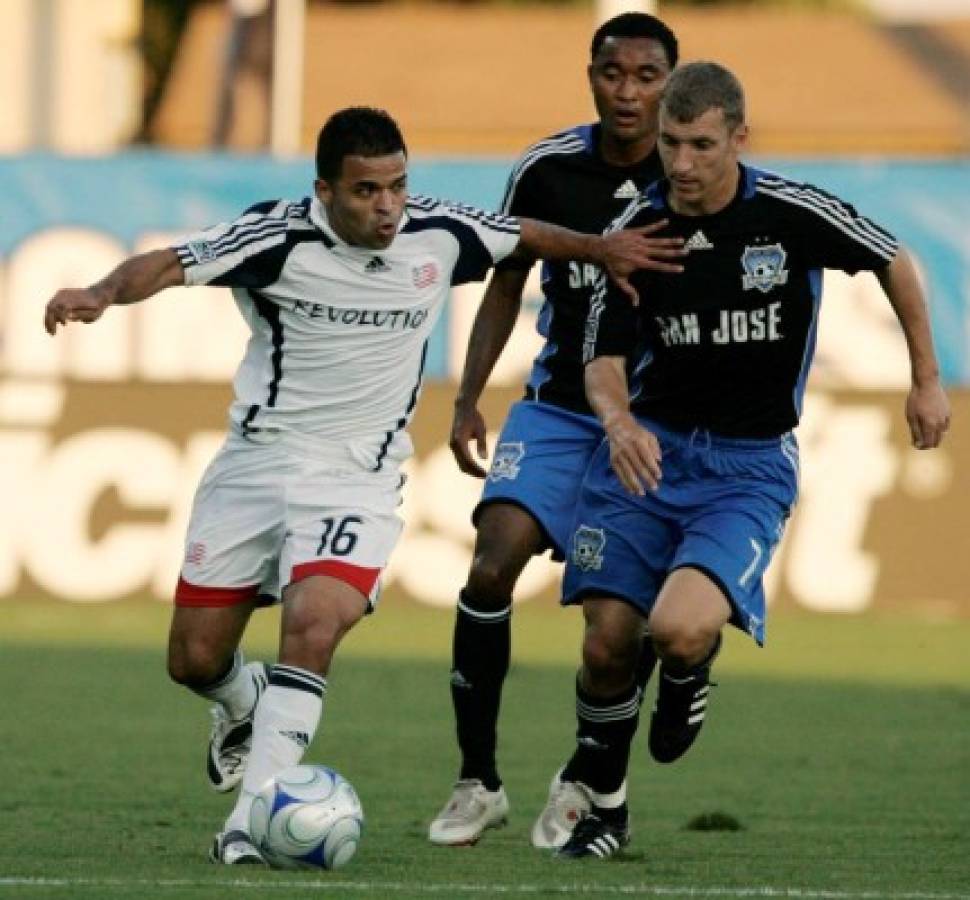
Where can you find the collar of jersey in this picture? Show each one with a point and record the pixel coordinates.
(318, 216)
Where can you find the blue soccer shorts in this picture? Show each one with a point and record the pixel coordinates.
(721, 508)
(538, 465)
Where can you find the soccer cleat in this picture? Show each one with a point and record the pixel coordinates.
(568, 802)
(680, 709)
(594, 837)
(234, 848)
(231, 739)
(469, 811)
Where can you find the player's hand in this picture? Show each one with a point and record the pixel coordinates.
(640, 248)
(74, 305)
(634, 455)
(928, 414)
(467, 426)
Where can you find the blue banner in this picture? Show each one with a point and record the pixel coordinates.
(125, 196)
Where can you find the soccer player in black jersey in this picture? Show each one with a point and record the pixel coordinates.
(581, 178)
(683, 505)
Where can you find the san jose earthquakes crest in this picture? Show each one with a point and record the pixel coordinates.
(505, 464)
(764, 267)
(588, 544)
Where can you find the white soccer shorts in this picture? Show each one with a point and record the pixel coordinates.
(268, 515)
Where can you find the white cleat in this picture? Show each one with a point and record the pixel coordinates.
(232, 739)
(469, 811)
(234, 848)
(568, 803)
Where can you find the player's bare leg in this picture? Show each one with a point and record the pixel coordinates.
(607, 712)
(203, 655)
(317, 612)
(507, 539)
(202, 641)
(685, 624)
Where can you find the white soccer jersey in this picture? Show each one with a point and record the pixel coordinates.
(339, 333)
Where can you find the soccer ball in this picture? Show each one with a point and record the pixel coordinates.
(307, 817)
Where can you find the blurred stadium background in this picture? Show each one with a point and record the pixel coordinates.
(124, 123)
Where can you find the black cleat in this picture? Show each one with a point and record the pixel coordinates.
(235, 848)
(231, 741)
(679, 713)
(594, 837)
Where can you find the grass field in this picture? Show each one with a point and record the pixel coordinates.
(843, 749)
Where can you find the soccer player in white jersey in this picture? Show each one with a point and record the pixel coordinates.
(341, 291)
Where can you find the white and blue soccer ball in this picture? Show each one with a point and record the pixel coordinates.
(307, 817)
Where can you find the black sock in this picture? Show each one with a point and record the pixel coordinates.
(645, 664)
(480, 662)
(617, 816)
(603, 736)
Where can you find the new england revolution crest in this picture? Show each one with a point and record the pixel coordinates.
(588, 544)
(764, 267)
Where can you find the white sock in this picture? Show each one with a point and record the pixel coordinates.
(284, 725)
(235, 691)
(612, 800)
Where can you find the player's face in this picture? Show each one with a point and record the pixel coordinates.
(700, 159)
(627, 77)
(365, 203)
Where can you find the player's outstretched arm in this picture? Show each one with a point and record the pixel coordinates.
(634, 451)
(493, 324)
(620, 253)
(137, 278)
(927, 406)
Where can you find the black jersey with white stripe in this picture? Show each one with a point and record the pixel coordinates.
(731, 338)
(564, 180)
(340, 332)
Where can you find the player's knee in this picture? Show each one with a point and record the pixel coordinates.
(490, 583)
(685, 645)
(609, 658)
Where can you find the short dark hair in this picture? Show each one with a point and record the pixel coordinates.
(696, 87)
(356, 131)
(636, 25)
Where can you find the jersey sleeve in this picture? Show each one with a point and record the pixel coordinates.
(482, 238)
(235, 254)
(835, 236)
(612, 323)
(522, 198)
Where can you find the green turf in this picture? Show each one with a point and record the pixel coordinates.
(852, 784)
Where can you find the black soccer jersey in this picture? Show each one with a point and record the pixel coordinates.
(564, 180)
(732, 337)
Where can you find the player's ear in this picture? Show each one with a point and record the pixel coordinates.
(739, 137)
(323, 190)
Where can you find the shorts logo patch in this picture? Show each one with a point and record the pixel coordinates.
(202, 251)
(764, 267)
(195, 553)
(506, 462)
(588, 545)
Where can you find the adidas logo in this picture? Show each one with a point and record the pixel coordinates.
(626, 191)
(300, 738)
(699, 241)
(459, 681)
(377, 265)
